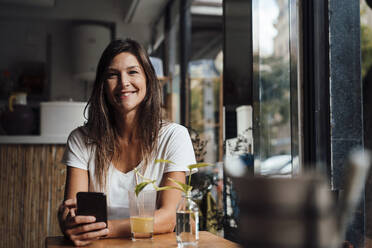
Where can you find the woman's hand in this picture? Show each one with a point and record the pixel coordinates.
(81, 230)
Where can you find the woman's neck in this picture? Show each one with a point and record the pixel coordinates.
(126, 126)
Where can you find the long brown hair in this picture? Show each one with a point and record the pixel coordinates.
(101, 126)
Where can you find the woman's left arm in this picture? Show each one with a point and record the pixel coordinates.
(165, 215)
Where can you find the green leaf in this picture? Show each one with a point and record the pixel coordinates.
(185, 188)
(141, 186)
(198, 165)
(163, 161)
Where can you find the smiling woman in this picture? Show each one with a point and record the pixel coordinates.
(124, 132)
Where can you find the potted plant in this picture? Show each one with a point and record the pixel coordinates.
(187, 213)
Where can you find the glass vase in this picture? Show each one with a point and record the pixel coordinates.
(187, 226)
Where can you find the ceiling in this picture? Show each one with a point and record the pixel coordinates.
(145, 11)
(207, 36)
(131, 11)
(133, 18)
(206, 29)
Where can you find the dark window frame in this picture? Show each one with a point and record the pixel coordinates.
(315, 83)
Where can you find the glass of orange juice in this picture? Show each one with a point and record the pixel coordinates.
(141, 209)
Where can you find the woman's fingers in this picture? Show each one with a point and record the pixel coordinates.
(87, 228)
(90, 235)
(72, 212)
(70, 203)
(87, 237)
(78, 220)
(67, 208)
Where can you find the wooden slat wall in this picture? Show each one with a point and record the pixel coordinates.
(31, 189)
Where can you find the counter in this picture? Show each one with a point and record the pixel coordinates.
(32, 139)
(32, 183)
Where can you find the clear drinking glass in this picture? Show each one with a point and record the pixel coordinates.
(141, 209)
(187, 227)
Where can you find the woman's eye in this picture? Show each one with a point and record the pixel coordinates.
(111, 75)
(133, 72)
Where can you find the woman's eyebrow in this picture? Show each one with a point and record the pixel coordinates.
(133, 66)
(111, 69)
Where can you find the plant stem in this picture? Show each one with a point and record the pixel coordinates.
(144, 178)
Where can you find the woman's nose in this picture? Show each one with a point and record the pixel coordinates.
(124, 80)
(125, 84)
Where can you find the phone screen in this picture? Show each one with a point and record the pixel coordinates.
(92, 204)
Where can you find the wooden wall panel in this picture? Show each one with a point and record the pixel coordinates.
(31, 188)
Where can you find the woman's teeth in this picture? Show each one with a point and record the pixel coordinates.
(128, 93)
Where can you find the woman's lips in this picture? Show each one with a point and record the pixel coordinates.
(126, 94)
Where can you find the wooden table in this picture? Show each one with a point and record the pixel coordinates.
(206, 240)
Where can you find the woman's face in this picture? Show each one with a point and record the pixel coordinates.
(126, 83)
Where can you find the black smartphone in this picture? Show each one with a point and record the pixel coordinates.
(92, 204)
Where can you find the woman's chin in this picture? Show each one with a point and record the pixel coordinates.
(125, 109)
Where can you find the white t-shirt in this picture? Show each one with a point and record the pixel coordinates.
(174, 144)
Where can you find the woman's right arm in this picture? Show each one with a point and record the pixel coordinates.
(81, 230)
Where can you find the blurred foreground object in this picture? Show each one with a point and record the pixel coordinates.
(300, 211)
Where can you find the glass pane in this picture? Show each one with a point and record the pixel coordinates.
(205, 83)
(272, 72)
(173, 92)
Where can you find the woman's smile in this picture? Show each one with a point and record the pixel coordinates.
(127, 94)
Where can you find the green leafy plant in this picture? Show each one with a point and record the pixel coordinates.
(179, 185)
